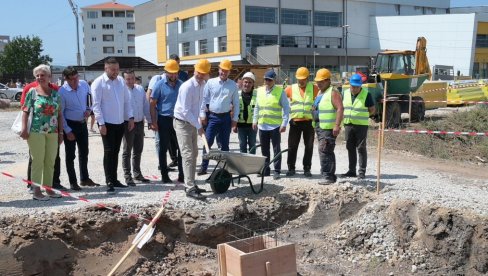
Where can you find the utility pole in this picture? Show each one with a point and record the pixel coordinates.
(74, 7)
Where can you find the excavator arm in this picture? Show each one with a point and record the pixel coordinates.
(421, 62)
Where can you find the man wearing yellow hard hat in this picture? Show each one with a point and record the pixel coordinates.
(220, 94)
(301, 96)
(187, 124)
(328, 113)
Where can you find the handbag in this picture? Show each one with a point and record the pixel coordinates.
(17, 125)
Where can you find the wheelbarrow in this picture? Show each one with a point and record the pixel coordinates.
(239, 164)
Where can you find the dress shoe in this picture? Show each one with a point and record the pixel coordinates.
(202, 172)
(54, 195)
(200, 190)
(193, 193)
(40, 198)
(181, 179)
(142, 179)
(276, 175)
(59, 187)
(327, 181)
(307, 174)
(75, 187)
(173, 164)
(266, 173)
(110, 190)
(348, 174)
(290, 173)
(361, 175)
(165, 179)
(117, 184)
(89, 182)
(130, 182)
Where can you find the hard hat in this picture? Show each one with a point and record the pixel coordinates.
(225, 64)
(302, 73)
(202, 66)
(355, 80)
(322, 74)
(171, 66)
(249, 75)
(270, 75)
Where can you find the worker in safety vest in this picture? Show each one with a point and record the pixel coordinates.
(328, 112)
(358, 106)
(247, 103)
(271, 116)
(301, 95)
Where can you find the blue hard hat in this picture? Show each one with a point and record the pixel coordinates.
(356, 80)
(270, 74)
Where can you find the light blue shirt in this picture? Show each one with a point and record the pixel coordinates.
(140, 104)
(189, 100)
(111, 100)
(74, 102)
(166, 96)
(219, 95)
(286, 111)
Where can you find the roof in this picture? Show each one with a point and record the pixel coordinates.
(135, 63)
(109, 6)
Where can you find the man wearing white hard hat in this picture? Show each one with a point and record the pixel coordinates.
(247, 102)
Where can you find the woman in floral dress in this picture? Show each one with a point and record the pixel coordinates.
(46, 130)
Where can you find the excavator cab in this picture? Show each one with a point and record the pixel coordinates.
(396, 62)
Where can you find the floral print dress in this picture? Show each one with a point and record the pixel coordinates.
(46, 109)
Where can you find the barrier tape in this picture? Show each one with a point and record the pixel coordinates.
(418, 101)
(101, 205)
(456, 133)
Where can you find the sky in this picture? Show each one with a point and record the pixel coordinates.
(53, 21)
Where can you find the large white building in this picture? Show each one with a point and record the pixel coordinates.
(108, 30)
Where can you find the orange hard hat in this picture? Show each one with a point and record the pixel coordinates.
(225, 64)
(202, 66)
(302, 73)
(322, 74)
(171, 66)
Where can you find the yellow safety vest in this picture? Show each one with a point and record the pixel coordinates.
(327, 112)
(356, 113)
(270, 110)
(301, 108)
(250, 108)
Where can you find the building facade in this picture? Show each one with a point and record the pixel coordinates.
(108, 30)
(4, 40)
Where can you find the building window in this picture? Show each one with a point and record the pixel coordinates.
(131, 49)
(202, 21)
(295, 17)
(107, 14)
(223, 44)
(119, 51)
(131, 26)
(94, 38)
(253, 41)
(93, 26)
(131, 37)
(130, 14)
(108, 50)
(185, 48)
(185, 25)
(328, 42)
(329, 19)
(222, 17)
(107, 26)
(108, 37)
(202, 44)
(261, 14)
(119, 13)
(92, 14)
(482, 41)
(296, 41)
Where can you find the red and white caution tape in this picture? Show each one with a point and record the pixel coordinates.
(101, 205)
(458, 102)
(442, 132)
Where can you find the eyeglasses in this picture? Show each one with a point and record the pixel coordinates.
(74, 77)
(268, 80)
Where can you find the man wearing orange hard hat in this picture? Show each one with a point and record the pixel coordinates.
(187, 124)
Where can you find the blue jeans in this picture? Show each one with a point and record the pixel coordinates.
(220, 124)
(247, 137)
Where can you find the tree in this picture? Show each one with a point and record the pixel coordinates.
(22, 54)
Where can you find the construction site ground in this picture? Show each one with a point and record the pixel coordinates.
(430, 217)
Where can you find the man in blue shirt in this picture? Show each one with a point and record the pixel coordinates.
(220, 94)
(163, 100)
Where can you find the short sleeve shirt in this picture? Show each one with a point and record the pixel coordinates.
(45, 111)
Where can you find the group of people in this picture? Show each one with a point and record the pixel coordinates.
(179, 109)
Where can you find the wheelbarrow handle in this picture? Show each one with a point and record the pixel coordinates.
(205, 143)
(255, 147)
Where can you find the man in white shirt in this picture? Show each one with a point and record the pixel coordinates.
(111, 105)
(133, 141)
(187, 124)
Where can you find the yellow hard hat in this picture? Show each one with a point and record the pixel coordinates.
(202, 66)
(171, 66)
(225, 64)
(302, 73)
(322, 74)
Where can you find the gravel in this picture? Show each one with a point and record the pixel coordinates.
(404, 177)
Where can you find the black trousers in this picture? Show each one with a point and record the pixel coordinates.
(173, 148)
(267, 137)
(327, 143)
(80, 131)
(294, 135)
(133, 144)
(111, 147)
(166, 134)
(356, 141)
(57, 169)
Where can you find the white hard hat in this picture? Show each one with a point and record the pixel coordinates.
(249, 75)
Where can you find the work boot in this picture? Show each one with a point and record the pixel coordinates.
(348, 174)
(290, 172)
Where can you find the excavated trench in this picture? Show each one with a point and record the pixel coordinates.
(336, 231)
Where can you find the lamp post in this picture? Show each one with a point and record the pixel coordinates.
(346, 31)
(314, 54)
(177, 19)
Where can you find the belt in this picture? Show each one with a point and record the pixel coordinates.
(219, 114)
(78, 122)
(183, 121)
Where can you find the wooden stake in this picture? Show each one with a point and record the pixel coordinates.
(380, 140)
(268, 269)
(222, 260)
(155, 219)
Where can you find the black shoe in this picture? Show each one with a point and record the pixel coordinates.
(276, 175)
(348, 174)
(361, 176)
(193, 192)
(181, 179)
(173, 164)
(307, 174)
(165, 179)
(267, 173)
(290, 173)
(117, 184)
(75, 187)
(201, 172)
(110, 190)
(142, 179)
(327, 181)
(89, 182)
(200, 190)
(60, 187)
(130, 182)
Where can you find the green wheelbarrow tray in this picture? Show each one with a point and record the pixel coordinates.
(235, 163)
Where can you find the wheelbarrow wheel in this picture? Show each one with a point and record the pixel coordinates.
(220, 181)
